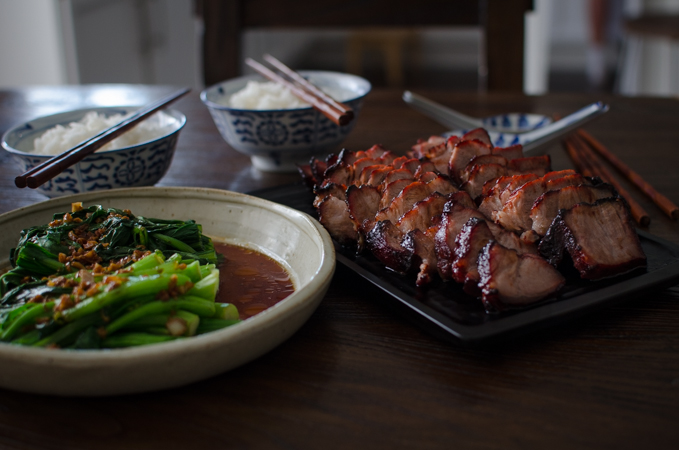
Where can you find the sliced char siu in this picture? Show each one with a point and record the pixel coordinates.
(479, 175)
(548, 205)
(421, 214)
(422, 247)
(479, 134)
(340, 173)
(454, 217)
(463, 152)
(599, 237)
(515, 212)
(511, 152)
(538, 165)
(384, 241)
(412, 194)
(430, 147)
(397, 174)
(333, 214)
(508, 279)
(498, 191)
(333, 189)
(392, 190)
(363, 203)
(473, 236)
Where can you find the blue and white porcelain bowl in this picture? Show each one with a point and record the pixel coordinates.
(509, 129)
(140, 165)
(515, 122)
(278, 140)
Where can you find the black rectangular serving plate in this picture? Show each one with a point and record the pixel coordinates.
(445, 310)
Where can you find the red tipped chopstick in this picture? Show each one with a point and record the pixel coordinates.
(664, 203)
(303, 89)
(54, 166)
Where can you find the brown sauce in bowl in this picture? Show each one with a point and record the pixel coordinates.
(250, 280)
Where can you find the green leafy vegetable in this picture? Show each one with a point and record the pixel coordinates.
(103, 278)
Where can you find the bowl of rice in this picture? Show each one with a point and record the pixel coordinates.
(139, 157)
(277, 130)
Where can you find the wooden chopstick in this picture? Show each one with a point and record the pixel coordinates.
(54, 166)
(580, 163)
(664, 203)
(306, 84)
(337, 116)
(595, 165)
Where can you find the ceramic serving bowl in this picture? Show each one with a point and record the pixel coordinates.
(290, 237)
(140, 165)
(278, 140)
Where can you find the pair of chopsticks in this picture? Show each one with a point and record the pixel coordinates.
(54, 166)
(338, 112)
(588, 153)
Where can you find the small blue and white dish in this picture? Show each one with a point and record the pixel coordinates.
(515, 122)
(508, 129)
(278, 140)
(139, 165)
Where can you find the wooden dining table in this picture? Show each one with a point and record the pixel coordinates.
(360, 373)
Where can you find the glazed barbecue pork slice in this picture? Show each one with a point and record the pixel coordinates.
(392, 190)
(548, 205)
(599, 237)
(412, 194)
(333, 214)
(480, 175)
(469, 243)
(384, 241)
(333, 189)
(479, 134)
(515, 212)
(463, 152)
(508, 279)
(421, 245)
(538, 165)
(363, 203)
(397, 174)
(453, 218)
(428, 148)
(421, 215)
(481, 160)
(511, 152)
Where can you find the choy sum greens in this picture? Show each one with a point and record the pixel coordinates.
(104, 278)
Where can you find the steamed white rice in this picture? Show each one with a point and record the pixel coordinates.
(263, 95)
(61, 138)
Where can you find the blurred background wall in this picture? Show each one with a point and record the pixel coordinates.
(159, 42)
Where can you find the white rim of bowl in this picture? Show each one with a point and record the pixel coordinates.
(325, 270)
(6, 146)
(211, 104)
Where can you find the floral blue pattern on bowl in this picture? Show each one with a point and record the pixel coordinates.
(141, 165)
(515, 123)
(278, 140)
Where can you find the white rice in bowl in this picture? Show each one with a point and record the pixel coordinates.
(265, 95)
(60, 138)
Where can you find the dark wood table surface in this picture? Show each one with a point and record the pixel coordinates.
(358, 375)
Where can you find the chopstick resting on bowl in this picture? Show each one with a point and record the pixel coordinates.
(339, 113)
(44, 172)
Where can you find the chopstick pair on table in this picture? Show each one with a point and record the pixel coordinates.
(587, 153)
(44, 172)
(339, 113)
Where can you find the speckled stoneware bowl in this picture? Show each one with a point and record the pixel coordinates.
(141, 165)
(278, 140)
(292, 238)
